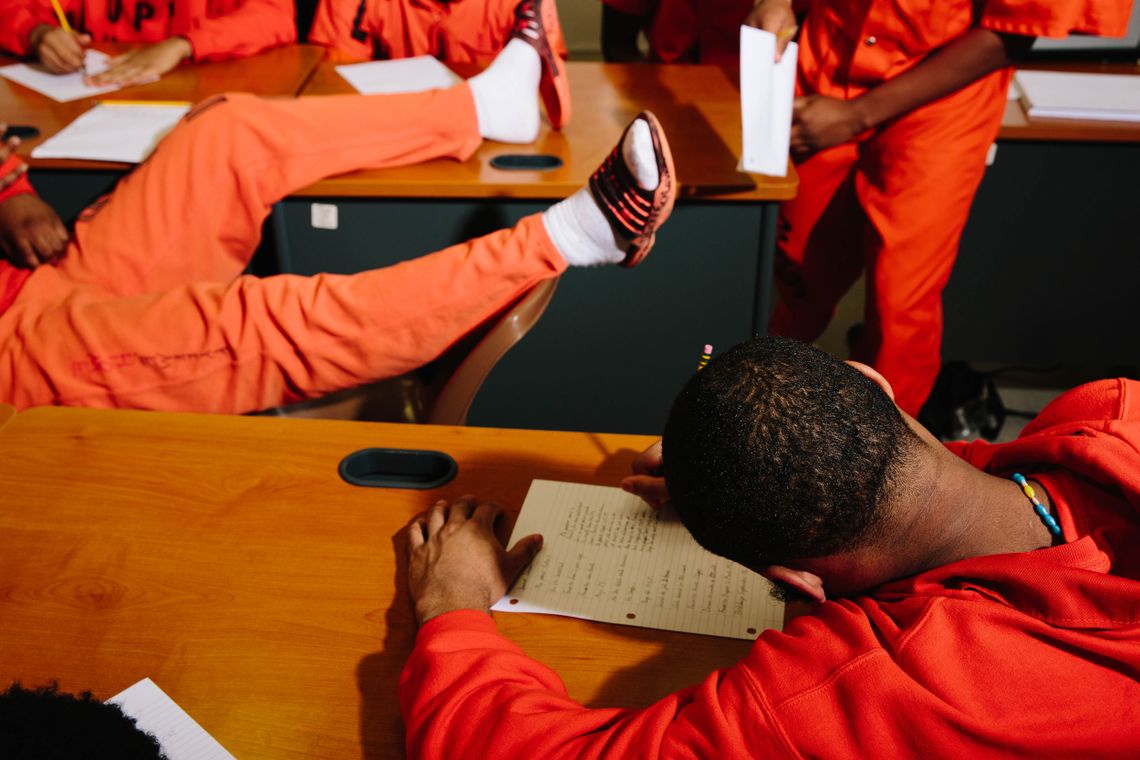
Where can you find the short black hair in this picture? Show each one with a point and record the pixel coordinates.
(775, 452)
(46, 724)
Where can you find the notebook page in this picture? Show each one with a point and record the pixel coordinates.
(607, 556)
(767, 92)
(112, 133)
(156, 713)
(403, 75)
(61, 87)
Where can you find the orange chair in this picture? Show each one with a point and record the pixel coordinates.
(439, 393)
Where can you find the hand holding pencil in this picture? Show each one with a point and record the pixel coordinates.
(60, 49)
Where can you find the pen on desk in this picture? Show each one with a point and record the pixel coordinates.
(705, 357)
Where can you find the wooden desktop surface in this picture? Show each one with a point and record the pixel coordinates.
(699, 108)
(1017, 125)
(278, 72)
(224, 558)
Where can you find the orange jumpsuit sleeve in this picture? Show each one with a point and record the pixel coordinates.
(467, 691)
(254, 26)
(1057, 18)
(19, 18)
(334, 24)
(21, 185)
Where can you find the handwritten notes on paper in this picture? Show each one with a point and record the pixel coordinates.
(608, 556)
(156, 713)
(767, 91)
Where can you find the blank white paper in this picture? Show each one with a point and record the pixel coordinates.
(112, 133)
(403, 75)
(767, 91)
(156, 713)
(61, 87)
(1070, 95)
(608, 556)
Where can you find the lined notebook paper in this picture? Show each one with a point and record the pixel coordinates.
(767, 90)
(403, 75)
(608, 556)
(113, 133)
(1067, 95)
(157, 714)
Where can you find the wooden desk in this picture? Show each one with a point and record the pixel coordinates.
(224, 558)
(1048, 258)
(707, 280)
(71, 185)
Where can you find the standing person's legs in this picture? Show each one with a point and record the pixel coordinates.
(819, 252)
(251, 343)
(194, 209)
(916, 180)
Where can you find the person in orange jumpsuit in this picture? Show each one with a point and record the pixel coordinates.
(899, 104)
(454, 31)
(947, 617)
(143, 305)
(678, 31)
(172, 30)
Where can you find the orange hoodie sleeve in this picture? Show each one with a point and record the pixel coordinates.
(17, 20)
(1057, 18)
(252, 27)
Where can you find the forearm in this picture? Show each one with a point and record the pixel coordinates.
(972, 56)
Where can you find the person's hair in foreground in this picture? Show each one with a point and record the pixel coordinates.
(45, 724)
(777, 452)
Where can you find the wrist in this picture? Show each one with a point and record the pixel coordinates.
(863, 109)
(181, 46)
(36, 37)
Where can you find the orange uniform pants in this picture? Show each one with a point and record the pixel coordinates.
(149, 308)
(892, 204)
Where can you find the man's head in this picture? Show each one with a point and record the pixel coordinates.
(776, 453)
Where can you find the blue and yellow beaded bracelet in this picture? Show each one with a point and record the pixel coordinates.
(1038, 507)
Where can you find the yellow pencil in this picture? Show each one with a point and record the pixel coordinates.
(785, 34)
(165, 103)
(61, 16)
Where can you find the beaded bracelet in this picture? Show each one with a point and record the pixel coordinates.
(1038, 507)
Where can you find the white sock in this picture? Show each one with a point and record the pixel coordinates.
(506, 95)
(579, 229)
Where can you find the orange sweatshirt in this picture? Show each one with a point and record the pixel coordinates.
(217, 29)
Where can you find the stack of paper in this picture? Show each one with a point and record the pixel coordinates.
(110, 132)
(607, 556)
(63, 87)
(1066, 95)
(767, 91)
(404, 75)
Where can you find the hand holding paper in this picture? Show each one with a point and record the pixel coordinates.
(767, 88)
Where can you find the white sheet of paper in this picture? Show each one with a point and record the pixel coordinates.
(60, 87)
(608, 556)
(156, 713)
(1070, 95)
(403, 75)
(112, 133)
(767, 90)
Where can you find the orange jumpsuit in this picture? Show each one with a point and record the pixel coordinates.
(459, 31)
(149, 309)
(216, 29)
(894, 202)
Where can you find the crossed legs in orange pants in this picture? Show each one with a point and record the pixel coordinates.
(893, 205)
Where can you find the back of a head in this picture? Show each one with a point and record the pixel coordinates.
(776, 452)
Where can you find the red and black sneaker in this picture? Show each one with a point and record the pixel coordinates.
(536, 23)
(630, 209)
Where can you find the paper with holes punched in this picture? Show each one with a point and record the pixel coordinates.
(180, 737)
(767, 91)
(608, 556)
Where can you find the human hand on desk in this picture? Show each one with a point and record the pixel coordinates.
(455, 560)
(31, 233)
(647, 480)
(144, 64)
